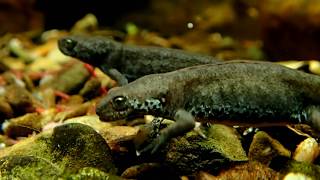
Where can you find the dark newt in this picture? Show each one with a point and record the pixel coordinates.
(125, 63)
(234, 93)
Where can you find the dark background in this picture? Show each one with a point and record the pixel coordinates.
(64, 13)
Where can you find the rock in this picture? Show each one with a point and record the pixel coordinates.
(74, 111)
(306, 169)
(23, 126)
(289, 137)
(92, 121)
(28, 124)
(5, 110)
(264, 148)
(92, 173)
(20, 99)
(116, 133)
(205, 176)
(296, 176)
(91, 88)
(27, 167)
(251, 170)
(149, 171)
(119, 138)
(80, 146)
(71, 79)
(69, 147)
(120, 141)
(5, 141)
(307, 151)
(191, 153)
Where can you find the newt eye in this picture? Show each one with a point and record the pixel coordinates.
(69, 44)
(119, 103)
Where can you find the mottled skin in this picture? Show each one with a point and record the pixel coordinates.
(249, 93)
(125, 63)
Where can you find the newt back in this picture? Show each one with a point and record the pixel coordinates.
(234, 93)
(247, 91)
(124, 62)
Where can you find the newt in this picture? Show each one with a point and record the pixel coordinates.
(233, 93)
(125, 63)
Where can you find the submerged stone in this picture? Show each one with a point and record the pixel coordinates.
(249, 170)
(264, 148)
(92, 173)
(192, 153)
(69, 147)
(79, 145)
(307, 169)
(154, 171)
(28, 167)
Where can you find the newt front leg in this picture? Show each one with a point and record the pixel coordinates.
(184, 122)
(116, 75)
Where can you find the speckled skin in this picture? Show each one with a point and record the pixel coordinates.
(251, 93)
(126, 63)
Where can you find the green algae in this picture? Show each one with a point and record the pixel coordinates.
(190, 153)
(68, 148)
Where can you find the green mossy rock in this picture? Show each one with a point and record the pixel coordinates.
(27, 167)
(68, 148)
(192, 153)
(264, 148)
(78, 146)
(310, 170)
(92, 173)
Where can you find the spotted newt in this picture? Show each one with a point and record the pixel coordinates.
(234, 93)
(124, 62)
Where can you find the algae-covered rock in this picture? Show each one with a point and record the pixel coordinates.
(154, 171)
(250, 170)
(6, 110)
(191, 152)
(20, 99)
(27, 167)
(310, 170)
(293, 176)
(68, 147)
(92, 173)
(79, 146)
(90, 120)
(264, 148)
(23, 126)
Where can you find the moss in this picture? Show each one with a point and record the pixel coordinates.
(92, 173)
(69, 147)
(264, 148)
(78, 145)
(27, 167)
(192, 152)
(226, 141)
(301, 167)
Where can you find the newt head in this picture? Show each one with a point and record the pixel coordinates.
(132, 100)
(89, 49)
(113, 106)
